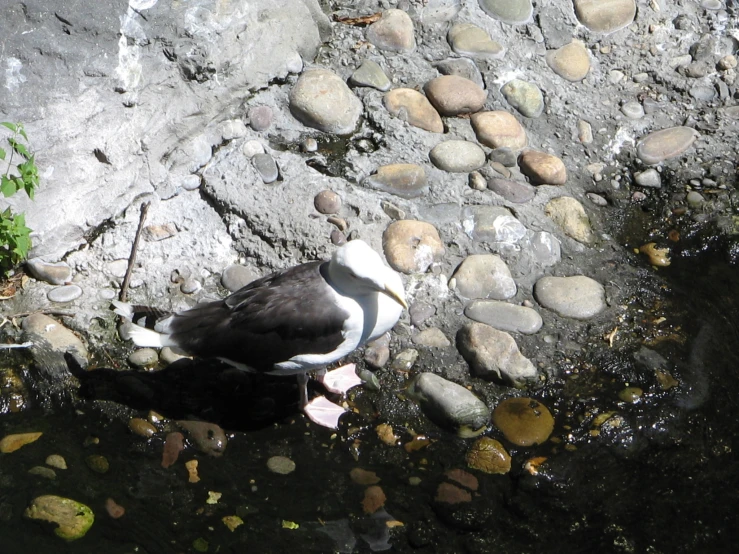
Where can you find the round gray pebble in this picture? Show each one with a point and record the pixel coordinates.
(236, 276)
(260, 118)
(266, 166)
(190, 286)
(67, 293)
(327, 202)
(143, 357)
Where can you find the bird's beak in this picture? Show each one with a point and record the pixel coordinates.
(396, 294)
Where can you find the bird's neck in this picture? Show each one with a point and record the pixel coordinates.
(340, 281)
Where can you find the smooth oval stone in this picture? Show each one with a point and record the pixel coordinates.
(251, 148)
(322, 100)
(571, 62)
(449, 405)
(266, 167)
(489, 456)
(542, 168)
(66, 293)
(605, 16)
(236, 276)
(578, 297)
(453, 95)
(524, 97)
(484, 276)
(632, 110)
(404, 180)
(412, 106)
(504, 156)
(467, 39)
(514, 12)
(517, 192)
(260, 118)
(523, 421)
(281, 465)
(663, 145)
(411, 246)
(494, 355)
(571, 217)
(648, 178)
(370, 74)
(457, 156)
(141, 427)
(498, 129)
(393, 32)
(463, 67)
(545, 248)
(11, 443)
(53, 273)
(432, 338)
(143, 357)
(209, 438)
(73, 519)
(493, 224)
(505, 316)
(327, 202)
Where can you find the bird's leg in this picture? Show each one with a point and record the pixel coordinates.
(339, 380)
(320, 410)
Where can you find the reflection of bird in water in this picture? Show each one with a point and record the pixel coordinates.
(288, 323)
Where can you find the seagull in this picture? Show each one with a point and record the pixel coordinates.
(291, 322)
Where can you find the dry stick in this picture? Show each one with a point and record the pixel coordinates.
(132, 258)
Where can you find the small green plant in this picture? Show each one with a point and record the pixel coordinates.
(21, 173)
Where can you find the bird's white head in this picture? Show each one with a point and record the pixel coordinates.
(358, 268)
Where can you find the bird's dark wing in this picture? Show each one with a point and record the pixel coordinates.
(268, 321)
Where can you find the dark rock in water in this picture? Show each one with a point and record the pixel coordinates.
(209, 438)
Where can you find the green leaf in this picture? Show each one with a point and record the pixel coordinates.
(13, 127)
(22, 132)
(20, 148)
(2, 154)
(7, 187)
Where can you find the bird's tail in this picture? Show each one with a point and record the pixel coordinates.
(146, 326)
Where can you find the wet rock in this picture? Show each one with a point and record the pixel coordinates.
(173, 445)
(498, 129)
(659, 257)
(374, 499)
(51, 340)
(514, 12)
(649, 178)
(571, 62)
(320, 99)
(281, 465)
(63, 294)
(504, 316)
(98, 463)
(463, 478)
(605, 16)
(457, 156)
(666, 144)
(449, 405)
(57, 461)
(114, 509)
(523, 421)
(630, 395)
(405, 360)
(260, 118)
(452, 494)
(393, 32)
(517, 192)
(470, 40)
(432, 338)
(524, 97)
(494, 355)
(404, 180)
(209, 438)
(73, 519)
(363, 477)
(484, 276)
(695, 199)
(52, 273)
(309, 145)
(453, 95)
(327, 202)
(492, 224)
(266, 167)
(570, 216)
(236, 276)
(143, 357)
(542, 168)
(489, 456)
(141, 427)
(41, 471)
(377, 355)
(412, 106)
(370, 74)
(578, 297)
(463, 67)
(11, 443)
(411, 246)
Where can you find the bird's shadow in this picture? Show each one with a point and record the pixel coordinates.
(208, 390)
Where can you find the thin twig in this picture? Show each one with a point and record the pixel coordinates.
(132, 258)
(49, 311)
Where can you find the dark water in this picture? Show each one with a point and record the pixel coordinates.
(666, 481)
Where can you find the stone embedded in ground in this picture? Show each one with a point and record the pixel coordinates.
(260, 118)
(523, 421)
(449, 405)
(236, 276)
(484, 276)
(605, 16)
(632, 110)
(504, 156)
(51, 340)
(322, 100)
(663, 145)
(452, 494)
(570, 216)
(453, 95)
(542, 168)
(327, 202)
(404, 180)
(514, 12)
(53, 273)
(432, 338)
(498, 129)
(648, 178)
(462, 67)
(492, 224)
(489, 456)
(207, 437)
(571, 62)
(517, 192)
(281, 465)
(494, 355)
(11, 443)
(578, 297)
(266, 167)
(545, 248)
(411, 246)
(504, 316)
(73, 519)
(65, 293)
(412, 106)
(393, 32)
(370, 74)
(525, 97)
(457, 156)
(470, 40)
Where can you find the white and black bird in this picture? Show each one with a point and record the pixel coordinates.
(289, 323)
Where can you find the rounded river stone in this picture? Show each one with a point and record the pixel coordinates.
(457, 156)
(322, 100)
(505, 316)
(514, 12)
(665, 144)
(578, 297)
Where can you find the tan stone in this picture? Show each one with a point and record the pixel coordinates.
(454, 95)
(665, 144)
(605, 16)
(571, 62)
(542, 168)
(489, 456)
(570, 216)
(498, 129)
(412, 106)
(470, 40)
(393, 32)
(11, 443)
(411, 246)
(523, 421)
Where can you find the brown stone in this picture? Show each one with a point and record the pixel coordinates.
(453, 95)
(542, 168)
(412, 106)
(605, 16)
(571, 62)
(489, 456)
(393, 32)
(411, 246)
(523, 421)
(498, 129)
(665, 144)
